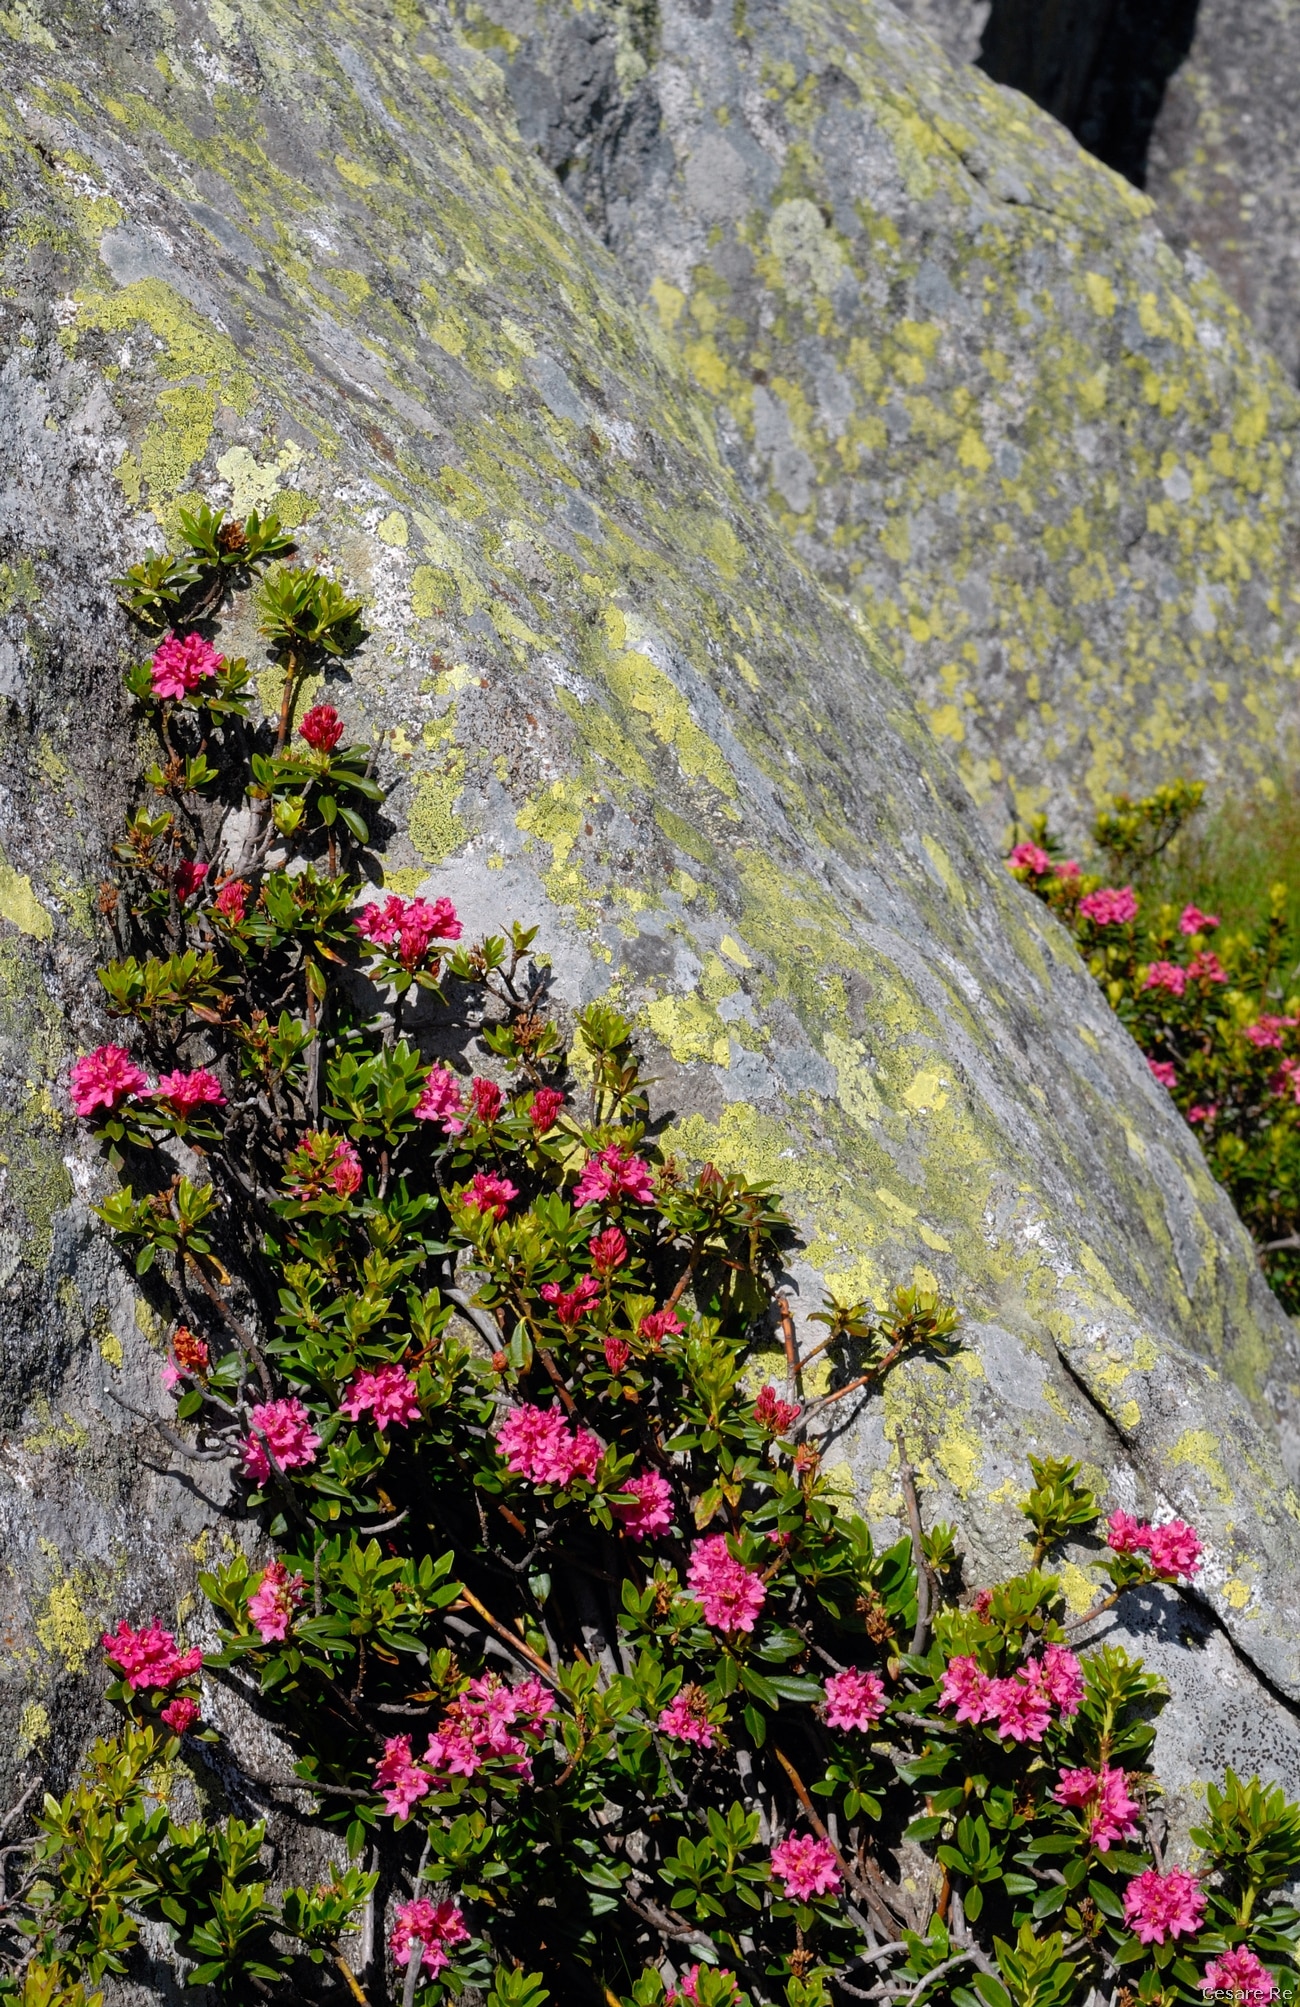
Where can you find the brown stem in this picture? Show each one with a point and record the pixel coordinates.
(686, 1277)
(870, 1896)
(793, 1363)
(925, 1585)
(245, 1338)
(350, 1976)
(286, 702)
(509, 1637)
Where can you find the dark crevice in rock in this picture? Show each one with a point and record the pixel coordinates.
(1100, 66)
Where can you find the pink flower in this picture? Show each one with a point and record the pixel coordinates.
(687, 1718)
(232, 900)
(1162, 1072)
(571, 1306)
(854, 1700)
(1069, 868)
(1240, 1974)
(148, 1658)
(293, 1442)
(477, 1726)
(1030, 857)
(966, 1686)
(322, 728)
(104, 1078)
(1200, 1112)
(1267, 1030)
(1193, 921)
(181, 663)
(1175, 1548)
(608, 1250)
(409, 926)
(773, 1415)
(1019, 1706)
(1112, 906)
(537, 1443)
(486, 1097)
(653, 1511)
(544, 1107)
(400, 1777)
(387, 1391)
(431, 1926)
(323, 1164)
(983, 1603)
(689, 1993)
(806, 1866)
(1104, 1796)
(610, 1175)
(187, 878)
(440, 1101)
(1159, 1906)
(1062, 1678)
(1169, 976)
(1288, 1075)
(181, 1714)
(190, 1353)
(1207, 968)
(489, 1193)
(731, 1594)
(658, 1325)
(1126, 1535)
(274, 1601)
(187, 1091)
(617, 1353)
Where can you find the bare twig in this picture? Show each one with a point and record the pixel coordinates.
(925, 1585)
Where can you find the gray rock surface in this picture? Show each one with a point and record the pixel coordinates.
(260, 255)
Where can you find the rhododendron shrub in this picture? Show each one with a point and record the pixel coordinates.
(1216, 1013)
(588, 1678)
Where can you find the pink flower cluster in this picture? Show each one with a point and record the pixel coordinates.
(1159, 1906)
(180, 1714)
(274, 1602)
(187, 877)
(544, 1108)
(1238, 1975)
(1030, 857)
(322, 1164)
(433, 1927)
(538, 1443)
(105, 1078)
(442, 1101)
(187, 1091)
(1207, 968)
(658, 1325)
(477, 1726)
(854, 1700)
(181, 663)
(322, 728)
(687, 1718)
(1174, 1548)
(653, 1510)
(148, 1658)
(408, 926)
(731, 1594)
(612, 1174)
(1171, 976)
(1103, 1795)
(608, 1250)
(1021, 1706)
(386, 1392)
(1193, 921)
(806, 1866)
(232, 900)
(689, 1992)
(1267, 1030)
(774, 1415)
(488, 1193)
(571, 1305)
(1112, 906)
(1162, 1071)
(286, 1426)
(1287, 1076)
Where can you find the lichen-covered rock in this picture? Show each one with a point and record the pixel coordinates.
(264, 254)
(1034, 447)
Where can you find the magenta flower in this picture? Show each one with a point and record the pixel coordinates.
(1160, 1906)
(1240, 1975)
(806, 1866)
(1112, 906)
(1162, 1071)
(1019, 1707)
(274, 1602)
(660, 1324)
(612, 1174)
(402, 1780)
(537, 1443)
(1169, 976)
(1030, 857)
(478, 1725)
(544, 1108)
(854, 1700)
(966, 1686)
(1175, 1548)
(1062, 1678)
(1103, 1795)
(486, 1097)
(689, 1993)
(388, 1393)
(188, 1091)
(322, 728)
(489, 1193)
(687, 1718)
(1203, 1112)
(180, 1714)
(571, 1305)
(148, 1658)
(441, 1101)
(730, 1594)
(653, 1510)
(1207, 968)
(232, 900)
(104, 1078)
(408, 926)
(608, 1250)
(1126, 1535)
(1267, 1031)
(1193, 921)
(187, 878)
(324, 1164)
(617, 1353)
(181, 663)
(293, 1442)
(774, 1415)
(430, 1926)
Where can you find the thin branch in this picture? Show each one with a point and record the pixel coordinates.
(925, 1585)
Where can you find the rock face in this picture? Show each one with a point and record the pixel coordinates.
(263, 255)
(988, 404)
